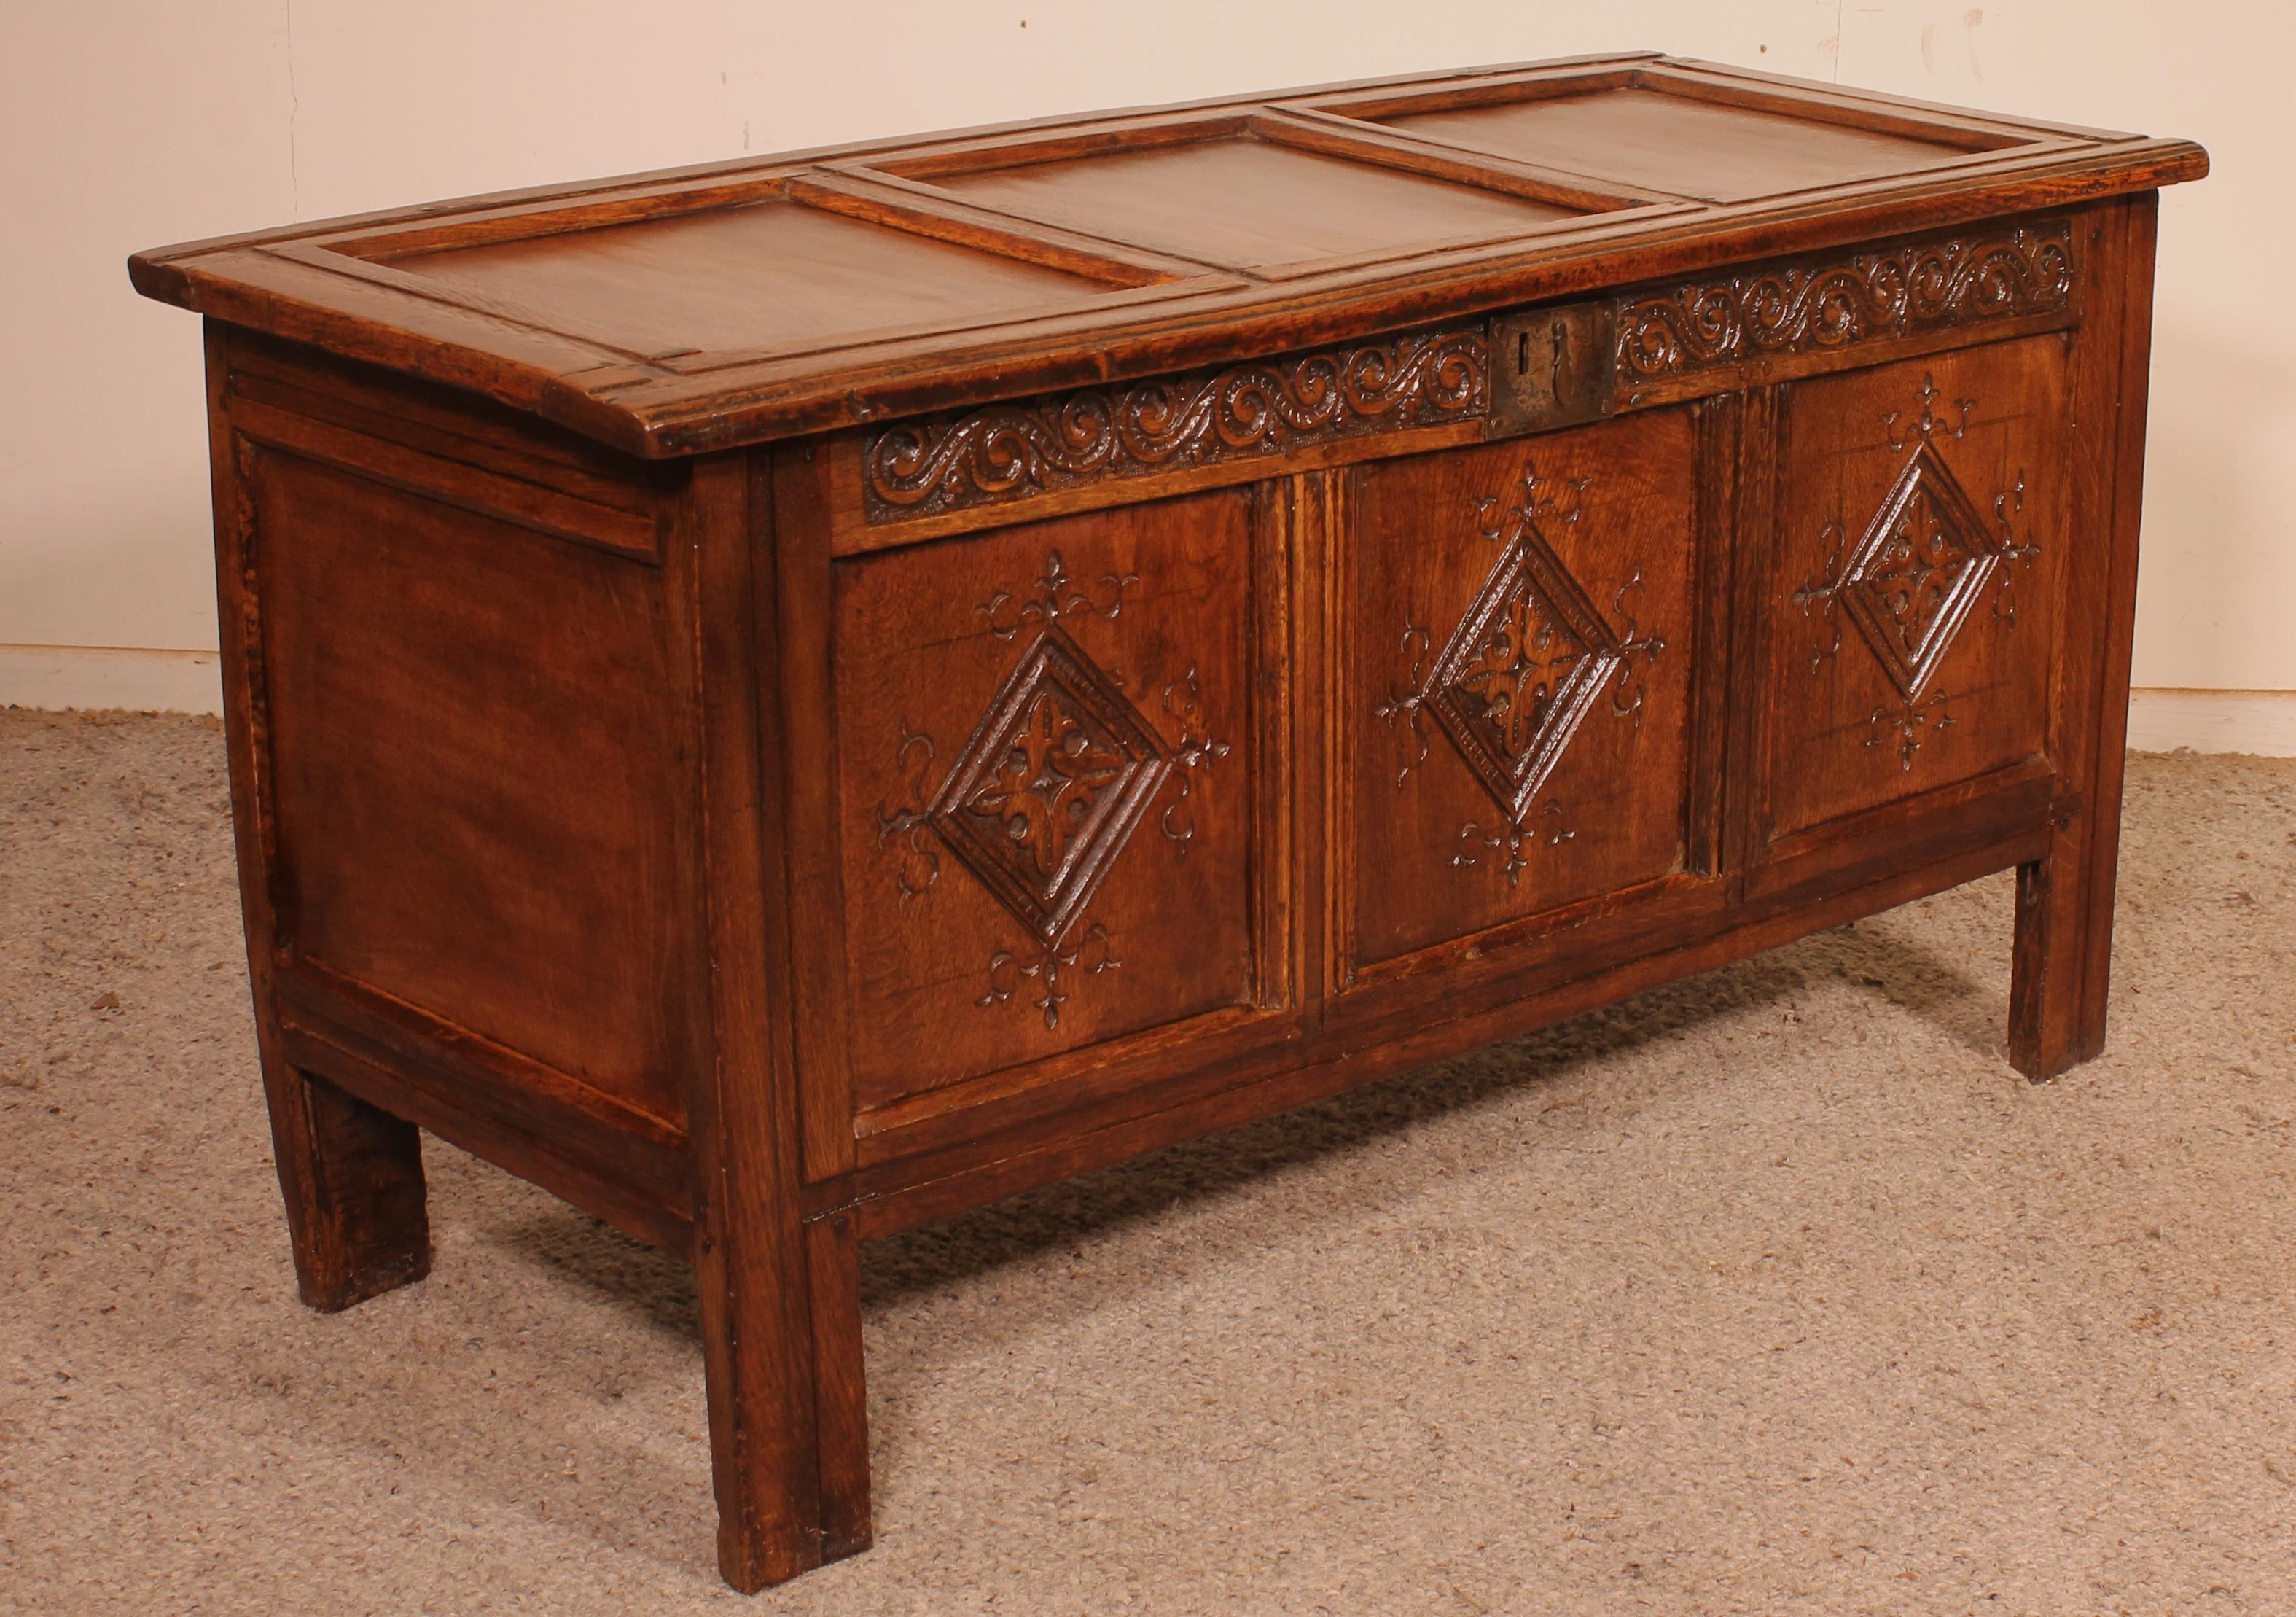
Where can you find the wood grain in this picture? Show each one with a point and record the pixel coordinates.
(1521, 633)
(688, 311)
(786, 699)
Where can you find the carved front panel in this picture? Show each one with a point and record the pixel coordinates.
(1046, 791)
(1918, 545)
(1519, 637)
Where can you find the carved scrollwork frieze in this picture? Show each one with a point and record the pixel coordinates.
(1644, 346)
(1842, 301)
(1010, 451)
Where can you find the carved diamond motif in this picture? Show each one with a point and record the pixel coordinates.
(1520, 671)
(1051, 786)
(1923, 562)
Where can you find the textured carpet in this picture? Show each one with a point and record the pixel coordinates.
(1774, 1291)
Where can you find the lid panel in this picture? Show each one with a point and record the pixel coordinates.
(1674, 143)
(1246, 203)
(765, 275)
(693, 310)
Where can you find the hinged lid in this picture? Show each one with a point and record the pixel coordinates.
(673, 313)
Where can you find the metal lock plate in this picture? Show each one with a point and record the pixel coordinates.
(1552, 367)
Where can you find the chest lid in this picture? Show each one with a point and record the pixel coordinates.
(695, 309)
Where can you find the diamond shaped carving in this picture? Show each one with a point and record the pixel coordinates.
(1520, 671)
(1051, 785)
(1921, 564)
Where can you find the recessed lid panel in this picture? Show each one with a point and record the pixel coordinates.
(1248, 203)
(1674, 143)
(759, 276)
(695, 309)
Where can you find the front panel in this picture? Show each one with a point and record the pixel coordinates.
(1131, 799)
(1911, 606)
(1046, 788)
(1519, 625)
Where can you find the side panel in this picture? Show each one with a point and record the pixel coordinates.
(471, 772)
(474, 769)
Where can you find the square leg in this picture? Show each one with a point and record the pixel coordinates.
(2063, 962)
(789, 1436)
(352, 1176)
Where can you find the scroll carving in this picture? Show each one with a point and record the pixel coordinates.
(1933, 284)
(1010, 451)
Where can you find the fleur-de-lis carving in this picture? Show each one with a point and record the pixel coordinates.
(1410, 704)
(1822, 594)
(1635, 649)
(1905, 726)
(2008, 505)
(920, 865)
(1928, 422)
(1516, 670)
(1537, 500)
(1049, 966)
(1195, 749)
(1511, 836)
(1923, 559)
(1059, 773)
(1044, 786)
(1053, 597)
(1529, 657)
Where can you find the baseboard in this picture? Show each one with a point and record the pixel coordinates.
(110, 676)
(2262, 722)
(189, 682)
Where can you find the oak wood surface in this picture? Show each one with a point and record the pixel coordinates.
(753, 312)
(473, 837)
(787, 700)
(1647, 138)
(350, 1172)
(1907, 552)
(2063, 960)
(1248, 204)
(1051, 730)
(770, 273)
(779, 1298)
(1520, 636)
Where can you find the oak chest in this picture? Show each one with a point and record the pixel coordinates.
(784, 700)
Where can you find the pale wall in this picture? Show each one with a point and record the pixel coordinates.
(129, 123)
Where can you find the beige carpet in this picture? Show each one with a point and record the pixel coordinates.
(1772, 1291)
